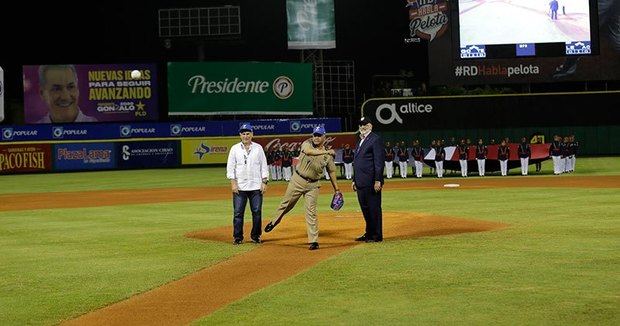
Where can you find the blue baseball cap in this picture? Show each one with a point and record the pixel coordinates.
(318, 130)
(245, 127)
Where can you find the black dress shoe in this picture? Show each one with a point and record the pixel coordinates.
(257, 240)
(269, 227)
(314, 246)
(238, 241)
(362, 238)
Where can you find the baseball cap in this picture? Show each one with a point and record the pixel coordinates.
(364, 121)
(246, 127)
(318, 130)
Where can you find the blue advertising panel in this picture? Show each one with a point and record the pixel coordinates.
(282, 126)
(25, 133)
(143, 130)
(148, 154)
(84, 156)
(196, 129)
(96, 131)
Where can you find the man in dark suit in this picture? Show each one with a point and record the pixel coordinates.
(368, 165)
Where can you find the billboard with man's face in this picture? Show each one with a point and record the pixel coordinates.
(90, 93)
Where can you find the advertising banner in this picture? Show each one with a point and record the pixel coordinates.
(147, 154)
(493, 111)
(333, 141)
(207, 150)
(25, 158)
(84, 156)
(90, 93)
(232, 88)
(311, 24)
(215, 150)
(25, 133)
(283, 126)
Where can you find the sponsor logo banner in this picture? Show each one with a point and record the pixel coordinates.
(90, 93)
(216, 88)
(147, 154)
(25, 158)
(84, 156)
(206, 150)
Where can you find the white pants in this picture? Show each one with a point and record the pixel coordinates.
(272, 171)
(439, 168)
(348, 170)
(573, 160)
(279, 172)
(287, 172)
(463, 167)
(567, 163)
(481, 167)
(389, 169)
(556, 164)
(503, 166)
(524, 165)
(418, 168)
(403, 169)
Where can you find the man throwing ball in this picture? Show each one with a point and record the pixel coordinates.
(305, 182)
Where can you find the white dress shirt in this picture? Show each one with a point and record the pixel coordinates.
(249, 168)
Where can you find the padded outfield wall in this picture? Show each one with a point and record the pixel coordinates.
(593, 117)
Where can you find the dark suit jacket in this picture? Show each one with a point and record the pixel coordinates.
(369, 161)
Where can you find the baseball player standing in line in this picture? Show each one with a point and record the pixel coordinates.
(481, 156)
(556, 152)
(463, 153)
(503, 154)
(403, 156)
(305, 182)
(347, 158)
(574, 147)
(389, 160)
(418, 158)
(440, 155)
(287, 162)
(525, 152)
(247, 171)
(566, 160)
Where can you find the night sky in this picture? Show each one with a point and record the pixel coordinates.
(368, 32)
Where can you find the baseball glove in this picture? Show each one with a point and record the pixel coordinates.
(337, 201)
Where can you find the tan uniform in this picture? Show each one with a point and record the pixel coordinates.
(305, 182)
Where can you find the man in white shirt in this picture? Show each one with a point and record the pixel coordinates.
(248, 174)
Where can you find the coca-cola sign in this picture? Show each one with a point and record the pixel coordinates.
(334, 141)
(428, 19)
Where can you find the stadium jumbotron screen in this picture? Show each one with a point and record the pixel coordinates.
(517, 28)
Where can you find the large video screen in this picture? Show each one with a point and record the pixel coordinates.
(514, 28)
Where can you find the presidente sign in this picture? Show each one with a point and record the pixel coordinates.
(231, 88)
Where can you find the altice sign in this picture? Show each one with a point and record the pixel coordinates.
(232, 88)
(388, 113)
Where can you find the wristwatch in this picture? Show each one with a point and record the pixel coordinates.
(265, 181)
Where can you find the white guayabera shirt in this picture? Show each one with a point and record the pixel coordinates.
(249, 168)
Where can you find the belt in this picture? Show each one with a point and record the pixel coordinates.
(307, 179)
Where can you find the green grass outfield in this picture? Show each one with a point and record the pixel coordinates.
(557, 263)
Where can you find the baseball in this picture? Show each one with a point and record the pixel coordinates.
(136, 74)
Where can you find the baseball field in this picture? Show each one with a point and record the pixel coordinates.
(147, 247)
